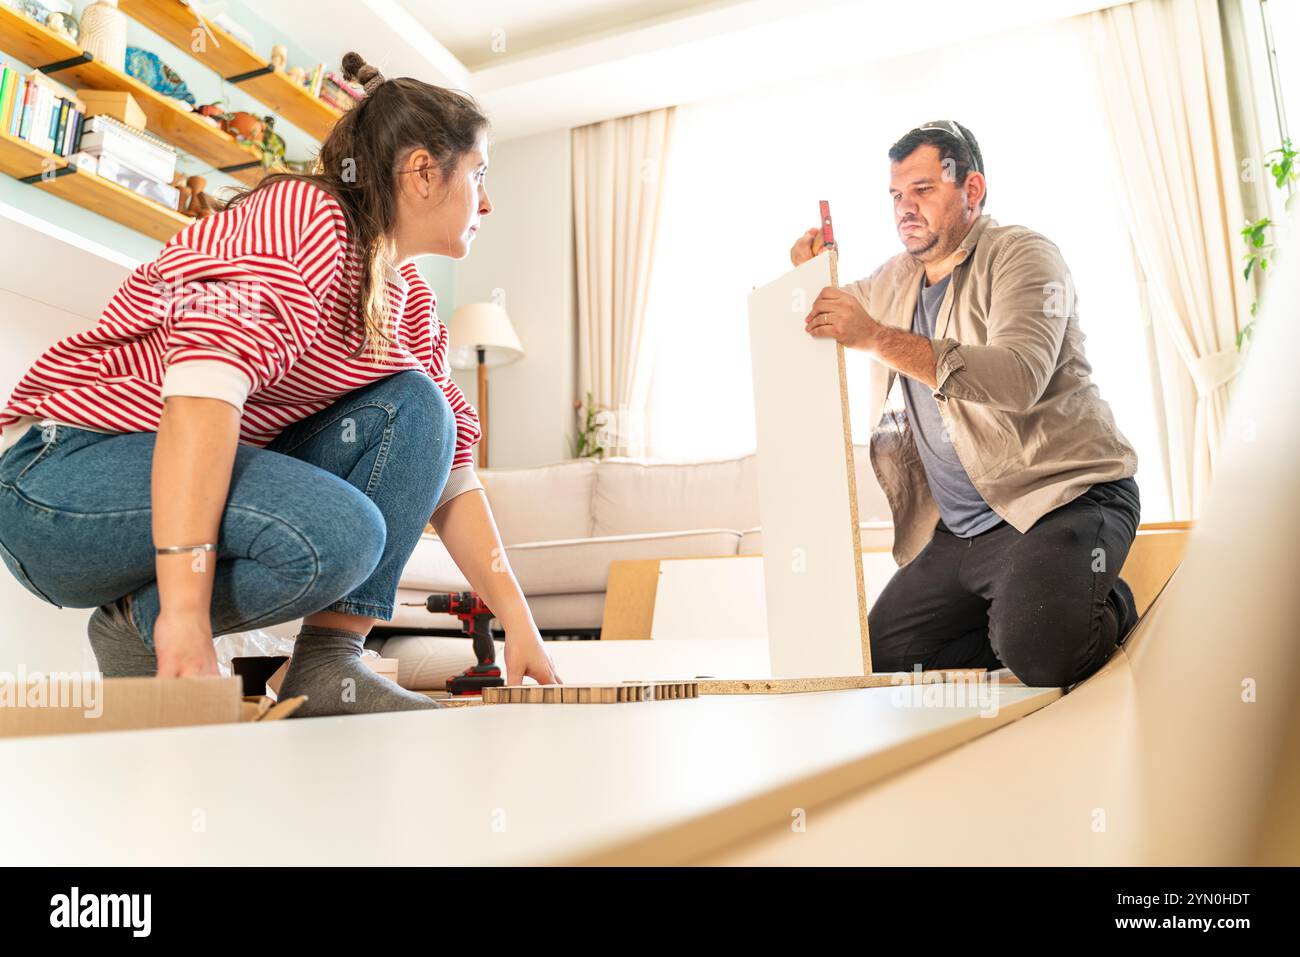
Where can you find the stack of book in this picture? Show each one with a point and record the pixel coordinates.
(339, 93)
(36, 109)
(131, 157)
(314, 80)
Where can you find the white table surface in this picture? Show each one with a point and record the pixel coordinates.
(502, 784)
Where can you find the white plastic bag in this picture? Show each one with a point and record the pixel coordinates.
(249, 644)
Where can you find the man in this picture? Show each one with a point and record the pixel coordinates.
(1011, 488)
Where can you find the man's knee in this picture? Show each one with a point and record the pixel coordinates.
(1047, 650)
(887, 629)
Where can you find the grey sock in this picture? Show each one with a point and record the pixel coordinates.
(118, 647)
(327, 667)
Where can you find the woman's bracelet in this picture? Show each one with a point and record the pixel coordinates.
(184, 549)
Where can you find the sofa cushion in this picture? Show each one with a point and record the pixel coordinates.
(544, 503)
(430, 568)
(582, 565)
(633, 495)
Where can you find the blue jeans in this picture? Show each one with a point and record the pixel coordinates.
(323, 519)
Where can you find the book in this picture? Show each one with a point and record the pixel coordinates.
(29, 106)
(37, 110)
(6, 83)
(17, 94)
(60, 126)
(141, 135)
(41, 122)
(74, 145)
(69, 125)
(12, 98)
(334, 81)
(103, 135)
(133, 179)
(340, 103)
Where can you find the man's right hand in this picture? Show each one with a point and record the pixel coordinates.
(807, 246)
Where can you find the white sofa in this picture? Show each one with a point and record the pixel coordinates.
(563, 524)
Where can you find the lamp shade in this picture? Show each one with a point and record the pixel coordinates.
(482, 325)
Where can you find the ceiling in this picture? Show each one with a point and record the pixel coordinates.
(486, 32)
(559, 64)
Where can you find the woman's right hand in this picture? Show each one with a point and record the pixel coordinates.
(807, 246)
(184, 647)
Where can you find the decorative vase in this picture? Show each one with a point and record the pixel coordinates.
(103, 33)
(64, 23)
(245, 126)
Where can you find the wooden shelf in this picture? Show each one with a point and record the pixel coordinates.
(38, 45)
(175, 22)
(21, 159)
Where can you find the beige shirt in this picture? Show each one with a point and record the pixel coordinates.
(1026, 421)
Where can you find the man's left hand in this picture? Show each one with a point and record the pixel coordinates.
(838, 315)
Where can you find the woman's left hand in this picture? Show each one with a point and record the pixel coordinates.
(526, 657)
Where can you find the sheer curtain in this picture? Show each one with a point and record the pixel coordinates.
(745, 176)
(617, 192)
(1165, 86)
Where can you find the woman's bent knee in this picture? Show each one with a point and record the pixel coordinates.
(423, 401)
(350, 539)
(329, 537)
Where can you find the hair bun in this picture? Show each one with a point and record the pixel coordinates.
(356, 68)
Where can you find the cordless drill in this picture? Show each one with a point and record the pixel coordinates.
(475, 618)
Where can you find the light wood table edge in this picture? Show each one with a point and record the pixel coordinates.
(708, 833)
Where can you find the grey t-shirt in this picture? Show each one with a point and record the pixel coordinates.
(961, 506)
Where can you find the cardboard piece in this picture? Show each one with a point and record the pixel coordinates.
(622, 693)
(812, 561)
(116, 103)
(80, 704)
(452, 701)
(256, 670)
(848, 683)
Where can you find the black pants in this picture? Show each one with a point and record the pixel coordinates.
(1038, 603)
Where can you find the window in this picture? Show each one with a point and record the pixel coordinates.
(745, 175)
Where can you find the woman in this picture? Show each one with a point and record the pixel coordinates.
(262, 422)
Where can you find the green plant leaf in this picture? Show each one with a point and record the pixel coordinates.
(1245, 334)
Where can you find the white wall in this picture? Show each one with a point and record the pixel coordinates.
(440, 274)
(33, 633)
(523, 258)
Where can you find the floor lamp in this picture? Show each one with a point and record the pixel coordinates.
(482, 335)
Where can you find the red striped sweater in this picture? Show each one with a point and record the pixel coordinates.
(249, 305)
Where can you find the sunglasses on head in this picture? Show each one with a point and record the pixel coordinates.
(952, 129)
